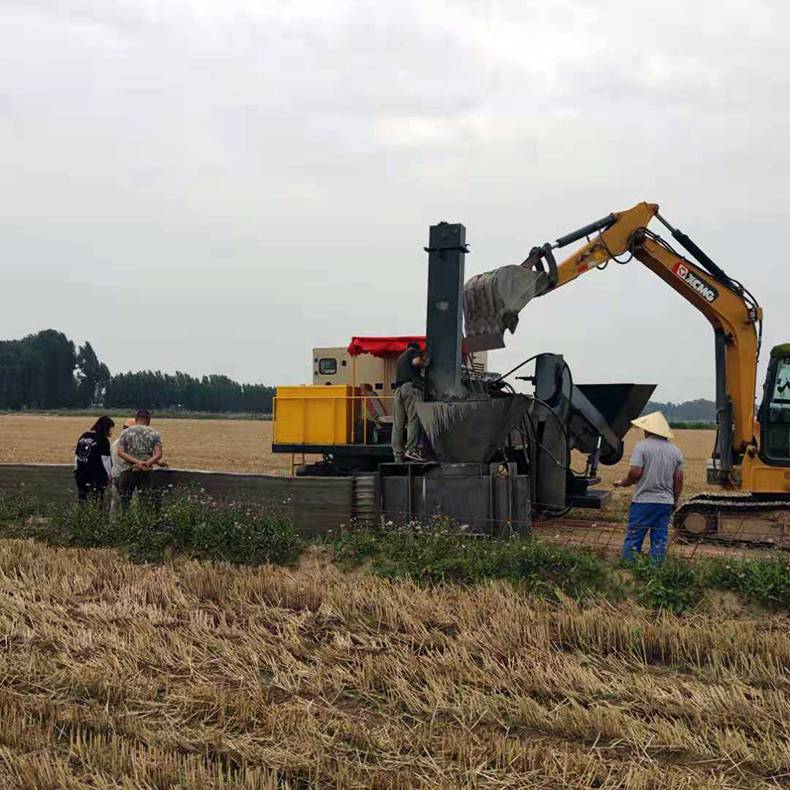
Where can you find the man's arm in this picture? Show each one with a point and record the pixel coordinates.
(137, 463)
(130, 459)
(634, 473)
(677, 485)
(154, 459)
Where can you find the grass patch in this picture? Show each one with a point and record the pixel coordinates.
(245, 534)
(763, 582)
(674, 585)
(19, 507)
(544, 569)
(254, 533)
(444, 556)
(679, 586)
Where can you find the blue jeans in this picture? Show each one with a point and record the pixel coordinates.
(644, 516)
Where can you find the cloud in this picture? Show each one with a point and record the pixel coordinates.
(262, 175)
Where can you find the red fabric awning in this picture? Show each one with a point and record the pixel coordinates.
(384, 346)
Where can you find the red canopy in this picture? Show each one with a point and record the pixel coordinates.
(384, 346)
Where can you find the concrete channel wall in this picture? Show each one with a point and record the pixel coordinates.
(315, 504)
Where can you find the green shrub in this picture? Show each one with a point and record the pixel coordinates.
(85, 525)
(353, 547)
(199, 527)
(674, 585)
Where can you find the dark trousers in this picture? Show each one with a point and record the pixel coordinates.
(130, 481)
(91, 489)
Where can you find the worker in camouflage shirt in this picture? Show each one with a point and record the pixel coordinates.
(139, 450)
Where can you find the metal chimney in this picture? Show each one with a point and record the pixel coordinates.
(444, 323)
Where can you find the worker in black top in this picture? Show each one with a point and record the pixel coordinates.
(92, 466)
(408, 393)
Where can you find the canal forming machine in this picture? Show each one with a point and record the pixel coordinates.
(500, 456)
(497, 457)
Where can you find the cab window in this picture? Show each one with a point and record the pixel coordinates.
(327, 366)
(778, 413)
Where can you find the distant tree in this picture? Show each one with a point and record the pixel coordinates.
(699, 410)
(44, 371)
(12, 377)
(158, 390)
(38, 371)
(92, 376)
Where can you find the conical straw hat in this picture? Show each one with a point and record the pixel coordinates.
(656, 423)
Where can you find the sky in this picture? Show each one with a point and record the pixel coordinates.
(217, 187)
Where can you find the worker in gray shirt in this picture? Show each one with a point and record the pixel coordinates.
(657, 472)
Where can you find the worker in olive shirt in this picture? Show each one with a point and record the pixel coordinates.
(139, 450)
(408, 393)
(657, 471)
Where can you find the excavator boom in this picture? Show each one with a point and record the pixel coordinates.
(732, 312)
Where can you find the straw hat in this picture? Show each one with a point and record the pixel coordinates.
(656, 423)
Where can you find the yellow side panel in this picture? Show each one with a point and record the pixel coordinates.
(760, 478)
(313, 415)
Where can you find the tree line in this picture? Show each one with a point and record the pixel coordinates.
(46, 370)
(699, 410)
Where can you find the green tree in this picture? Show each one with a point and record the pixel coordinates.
(92, 376)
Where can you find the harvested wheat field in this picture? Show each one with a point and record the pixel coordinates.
(197, 675)
(221, 445)
(245, 446)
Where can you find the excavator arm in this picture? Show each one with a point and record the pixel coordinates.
(733, 313)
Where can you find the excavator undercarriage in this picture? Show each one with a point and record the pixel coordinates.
(741, 518)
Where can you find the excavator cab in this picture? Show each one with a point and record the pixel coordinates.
(774, 414)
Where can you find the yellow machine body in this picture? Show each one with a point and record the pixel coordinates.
(313, 414)
(758, 477)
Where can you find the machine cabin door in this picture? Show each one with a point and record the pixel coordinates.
(775, 411)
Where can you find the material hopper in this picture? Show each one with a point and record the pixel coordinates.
(471, 431)
(618, 403)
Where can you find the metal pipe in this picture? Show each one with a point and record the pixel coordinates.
(702, 258)
(723, 404)
(587, 230)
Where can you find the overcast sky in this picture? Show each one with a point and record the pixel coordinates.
(218, 186)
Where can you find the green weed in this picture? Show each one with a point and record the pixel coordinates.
(764, 582)
(441, 555)
(674, 585)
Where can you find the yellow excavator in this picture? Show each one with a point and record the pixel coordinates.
(751, 457)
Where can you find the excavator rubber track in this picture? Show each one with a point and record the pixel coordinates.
(738, 519)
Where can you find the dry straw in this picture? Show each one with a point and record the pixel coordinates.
(198, 675)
